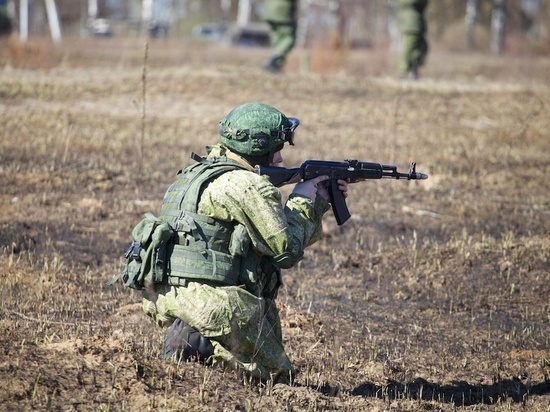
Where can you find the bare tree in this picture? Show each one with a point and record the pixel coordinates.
(498, 22)
(471, 17)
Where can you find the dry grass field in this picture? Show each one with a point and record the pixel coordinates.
(434, 296)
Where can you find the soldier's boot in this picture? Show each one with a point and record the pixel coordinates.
(274, 64)
(412, 74)
(185, 343)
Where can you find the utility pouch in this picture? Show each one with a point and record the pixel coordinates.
(148, 255)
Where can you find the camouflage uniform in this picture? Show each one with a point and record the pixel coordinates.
(243, 326)
(413, 27)
(280, 15)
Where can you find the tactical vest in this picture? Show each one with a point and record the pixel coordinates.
(209, 250)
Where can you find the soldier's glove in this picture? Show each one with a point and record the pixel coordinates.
(184, 342)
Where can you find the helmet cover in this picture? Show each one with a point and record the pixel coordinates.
(256, 129)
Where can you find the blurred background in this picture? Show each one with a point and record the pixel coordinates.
(492, 26)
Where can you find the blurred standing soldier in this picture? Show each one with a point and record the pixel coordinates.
(281, 17)
(413, 28)
(233, 238)
(5, 22)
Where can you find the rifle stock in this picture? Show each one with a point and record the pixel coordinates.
(350, 170)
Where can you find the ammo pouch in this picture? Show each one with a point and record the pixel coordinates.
(148, 254)
(206, 251)
(219, 254)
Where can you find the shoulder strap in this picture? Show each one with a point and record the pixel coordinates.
(206, 170)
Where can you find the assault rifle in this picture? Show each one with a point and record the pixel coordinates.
(350, 170)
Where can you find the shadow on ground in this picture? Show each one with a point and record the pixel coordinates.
(459, 393)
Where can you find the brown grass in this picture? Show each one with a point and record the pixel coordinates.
(434, 296)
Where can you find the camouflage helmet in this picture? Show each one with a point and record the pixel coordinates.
(256, 129)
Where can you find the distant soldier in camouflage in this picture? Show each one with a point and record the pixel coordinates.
(413, 27)
(233, 238)
(280, 15)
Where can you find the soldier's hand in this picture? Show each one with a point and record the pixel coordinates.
(343, 186)
(322, 189)
(310, 188)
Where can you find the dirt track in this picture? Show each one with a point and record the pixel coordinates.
(434, 296)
